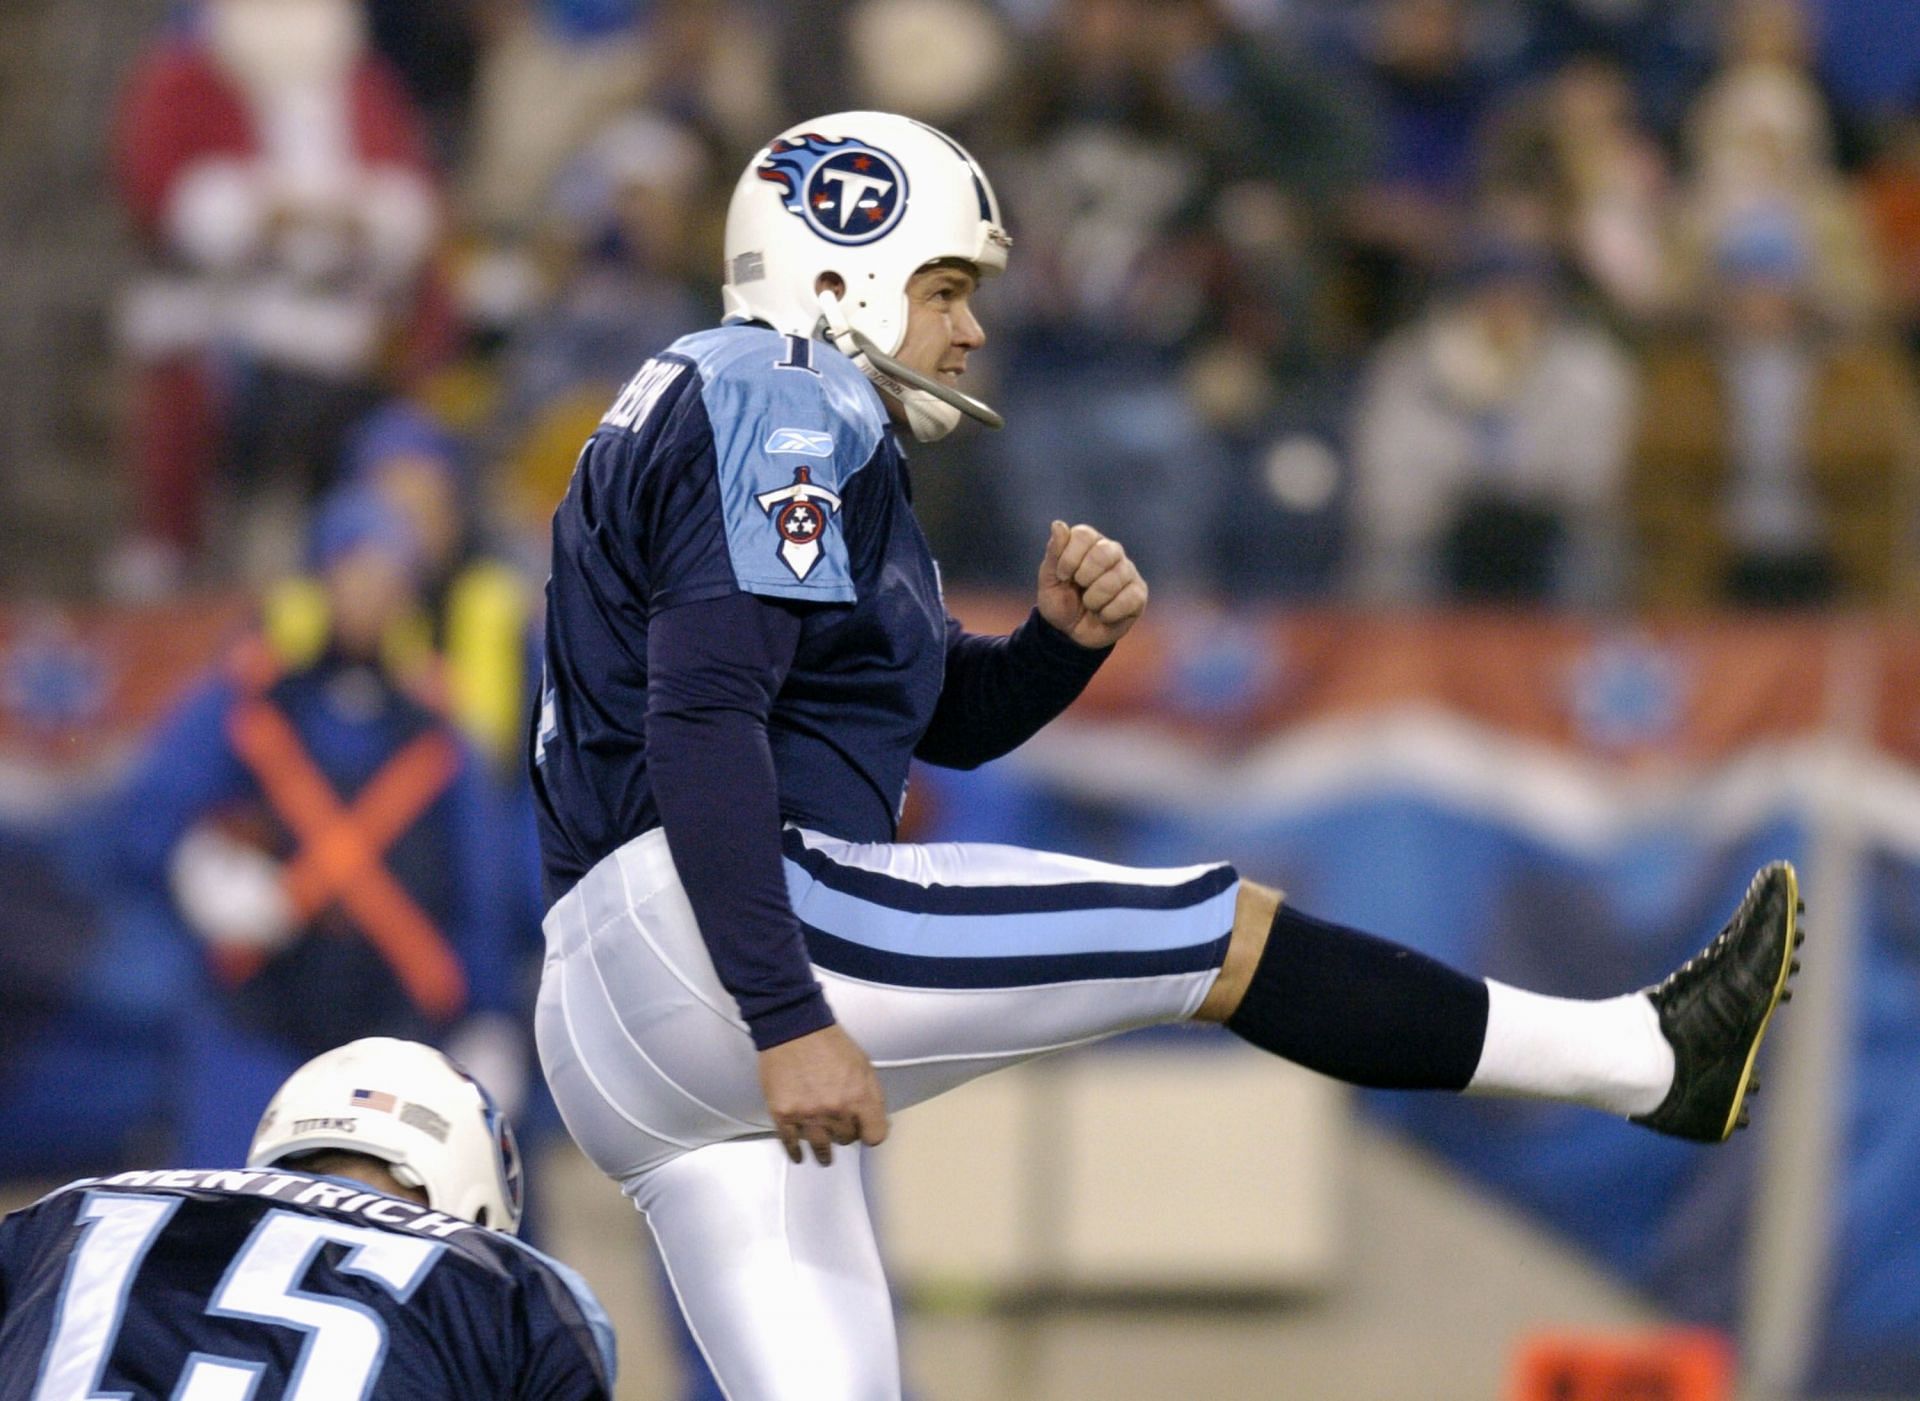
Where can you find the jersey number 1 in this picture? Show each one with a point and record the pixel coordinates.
(346, 1341)
(799, 356)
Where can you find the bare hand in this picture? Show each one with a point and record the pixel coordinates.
(1089, 589)
(821, 1090)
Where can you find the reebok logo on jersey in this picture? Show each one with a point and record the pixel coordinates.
(800, 514)
(803, 441)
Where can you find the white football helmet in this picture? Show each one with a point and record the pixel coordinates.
(411, 1107)
(872, 197)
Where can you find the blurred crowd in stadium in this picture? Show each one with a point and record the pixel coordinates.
(1579, 302)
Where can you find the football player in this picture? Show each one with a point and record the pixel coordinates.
(746, 647)
(366, 1253)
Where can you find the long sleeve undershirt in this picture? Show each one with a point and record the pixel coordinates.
(1000, 692)
(713, 671)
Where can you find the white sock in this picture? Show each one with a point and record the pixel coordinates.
(1608, 1054)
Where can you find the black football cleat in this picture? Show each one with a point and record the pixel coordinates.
(1715, 1008)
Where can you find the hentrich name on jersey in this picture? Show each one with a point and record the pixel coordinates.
(846, 191)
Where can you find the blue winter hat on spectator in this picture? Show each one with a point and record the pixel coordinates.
(1763, 245)
(401, 430)
(358, 519)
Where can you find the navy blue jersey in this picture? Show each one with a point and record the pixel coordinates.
(744, 628)
(739, 461)
(264, 1284)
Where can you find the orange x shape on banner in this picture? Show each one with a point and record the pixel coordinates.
(342, 848)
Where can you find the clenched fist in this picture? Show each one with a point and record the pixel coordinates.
(1089, 589)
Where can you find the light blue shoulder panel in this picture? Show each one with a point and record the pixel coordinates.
(793, 421)
(589, 1303)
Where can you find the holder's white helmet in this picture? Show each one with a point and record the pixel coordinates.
(411, 1107)
(873, 198)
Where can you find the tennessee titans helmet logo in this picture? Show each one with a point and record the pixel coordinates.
(846, 191)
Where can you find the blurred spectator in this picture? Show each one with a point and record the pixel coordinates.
(1107, 296)
(553, 72)
(888, 41)
(563, 68)
(1760, 143)
(632, 244)
(1269, 382)
(467, 638)
(1489, 444)
(1257, 108)
(718, 65)
(330, 843)
(436, 50)
(812, 65)
(1777, 456)
(467, 642)
(1579, 147)
(1233, 307)
(278, 177)
(1663, 48)
(1428, 98)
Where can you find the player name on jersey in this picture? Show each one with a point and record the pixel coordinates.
(294, 1189)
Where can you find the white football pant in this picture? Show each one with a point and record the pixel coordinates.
(943, 962)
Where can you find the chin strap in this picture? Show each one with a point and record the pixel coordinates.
(933, 409)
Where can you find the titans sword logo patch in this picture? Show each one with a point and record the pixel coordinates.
(800, 514)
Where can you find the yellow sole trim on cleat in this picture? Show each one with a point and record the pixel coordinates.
(1787, 964)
